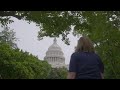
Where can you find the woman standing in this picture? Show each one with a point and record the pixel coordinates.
(84, 62)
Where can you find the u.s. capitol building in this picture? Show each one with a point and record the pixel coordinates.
(55, 56)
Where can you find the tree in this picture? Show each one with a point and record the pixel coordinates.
(55, 23)
(16, 64)
(58, 73)
(8, 36)
(49, 22)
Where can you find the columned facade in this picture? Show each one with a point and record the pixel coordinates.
(55, 56)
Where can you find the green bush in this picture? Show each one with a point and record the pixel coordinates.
(16, 64)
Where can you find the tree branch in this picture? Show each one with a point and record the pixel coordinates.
(10, 13)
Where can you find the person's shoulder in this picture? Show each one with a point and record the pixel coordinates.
(74, 54)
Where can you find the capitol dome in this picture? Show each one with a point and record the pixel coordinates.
(55, 56)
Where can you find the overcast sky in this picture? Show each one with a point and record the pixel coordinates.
(28, 41)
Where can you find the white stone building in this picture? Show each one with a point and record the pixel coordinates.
(55, 56)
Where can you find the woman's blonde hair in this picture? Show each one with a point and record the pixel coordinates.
(84, 45)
